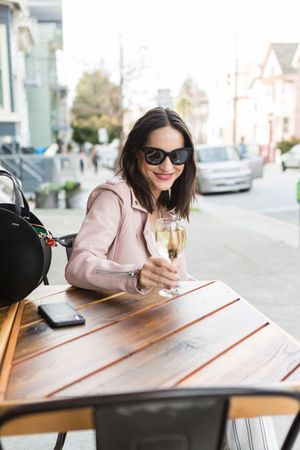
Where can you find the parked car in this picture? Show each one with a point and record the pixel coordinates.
(291, 159)
(220, 169)
(254, 159)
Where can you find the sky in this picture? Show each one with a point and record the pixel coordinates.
(166, 41)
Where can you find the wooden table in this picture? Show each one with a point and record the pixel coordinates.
(207, 336)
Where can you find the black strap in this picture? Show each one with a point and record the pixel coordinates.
(20, 198)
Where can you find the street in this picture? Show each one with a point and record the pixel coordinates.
(273, 195)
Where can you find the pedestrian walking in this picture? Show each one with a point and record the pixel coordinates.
(242, 148)
(81, 160)
(95, 158)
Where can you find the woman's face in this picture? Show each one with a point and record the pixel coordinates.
(160, 178)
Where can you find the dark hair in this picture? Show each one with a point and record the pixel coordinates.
(183, 189)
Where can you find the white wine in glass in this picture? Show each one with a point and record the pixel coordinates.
(170, 237)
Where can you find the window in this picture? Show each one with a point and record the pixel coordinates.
(4, 71)
(285, 125)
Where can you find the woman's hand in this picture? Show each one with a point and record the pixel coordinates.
(158, 273)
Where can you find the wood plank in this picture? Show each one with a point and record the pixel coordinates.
(11, 344)
(80, 298)
(62, 365)
(245, 406)
(46, 290)
(3, 314)
(275, 356)
(59, 421)
(38, 336)
(163, 363)
(32, 317)
(293, 377)
(6, 328)
(76, 297)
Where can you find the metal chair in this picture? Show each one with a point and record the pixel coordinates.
(67, 241)
(174, 419)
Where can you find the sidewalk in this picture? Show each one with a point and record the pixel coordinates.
(233, 245)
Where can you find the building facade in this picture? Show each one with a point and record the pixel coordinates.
(258, 102)
(33, 109)
(17, 37)
(276, 98)
(46, 97)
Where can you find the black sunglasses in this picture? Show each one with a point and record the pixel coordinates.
(156, 156)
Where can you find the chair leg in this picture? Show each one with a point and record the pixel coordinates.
(60, 441)
(292, 434)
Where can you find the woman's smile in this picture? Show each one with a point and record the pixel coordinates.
(163, 176)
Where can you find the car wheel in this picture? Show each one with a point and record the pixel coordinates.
(248, 188)
(283, 167)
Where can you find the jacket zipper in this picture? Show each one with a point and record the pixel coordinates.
(122, 274)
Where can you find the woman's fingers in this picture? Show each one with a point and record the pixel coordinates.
(161, 262)
(148, 281)
(158, 272)
(160, 268)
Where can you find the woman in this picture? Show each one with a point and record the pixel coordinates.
(115, 248)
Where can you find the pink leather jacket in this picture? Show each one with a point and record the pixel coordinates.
(114, 241)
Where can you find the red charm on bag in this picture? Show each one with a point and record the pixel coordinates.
(50, 242)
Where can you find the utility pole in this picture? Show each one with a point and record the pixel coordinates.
(235, 87)
(121, 92)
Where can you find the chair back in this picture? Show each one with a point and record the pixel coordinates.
(67, 241)
(174, 419)
(183, 421)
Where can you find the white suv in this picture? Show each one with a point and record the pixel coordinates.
(291, 159)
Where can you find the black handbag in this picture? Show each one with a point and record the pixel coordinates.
(25, 248)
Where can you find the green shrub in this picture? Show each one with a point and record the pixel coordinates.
(285, 146)
(71, 185)
(85, 134)
(46, 188)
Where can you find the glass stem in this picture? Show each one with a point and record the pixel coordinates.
(172, 260)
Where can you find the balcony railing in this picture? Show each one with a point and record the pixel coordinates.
(32, 170)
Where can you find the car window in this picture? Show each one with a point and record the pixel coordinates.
(215, 154)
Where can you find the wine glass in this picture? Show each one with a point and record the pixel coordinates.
(170, 237)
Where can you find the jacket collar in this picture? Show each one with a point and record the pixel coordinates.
(135, 204)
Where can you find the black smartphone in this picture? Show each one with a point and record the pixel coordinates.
(60, 314)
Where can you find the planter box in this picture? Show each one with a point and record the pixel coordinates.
(46, 201)
(73, 199)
